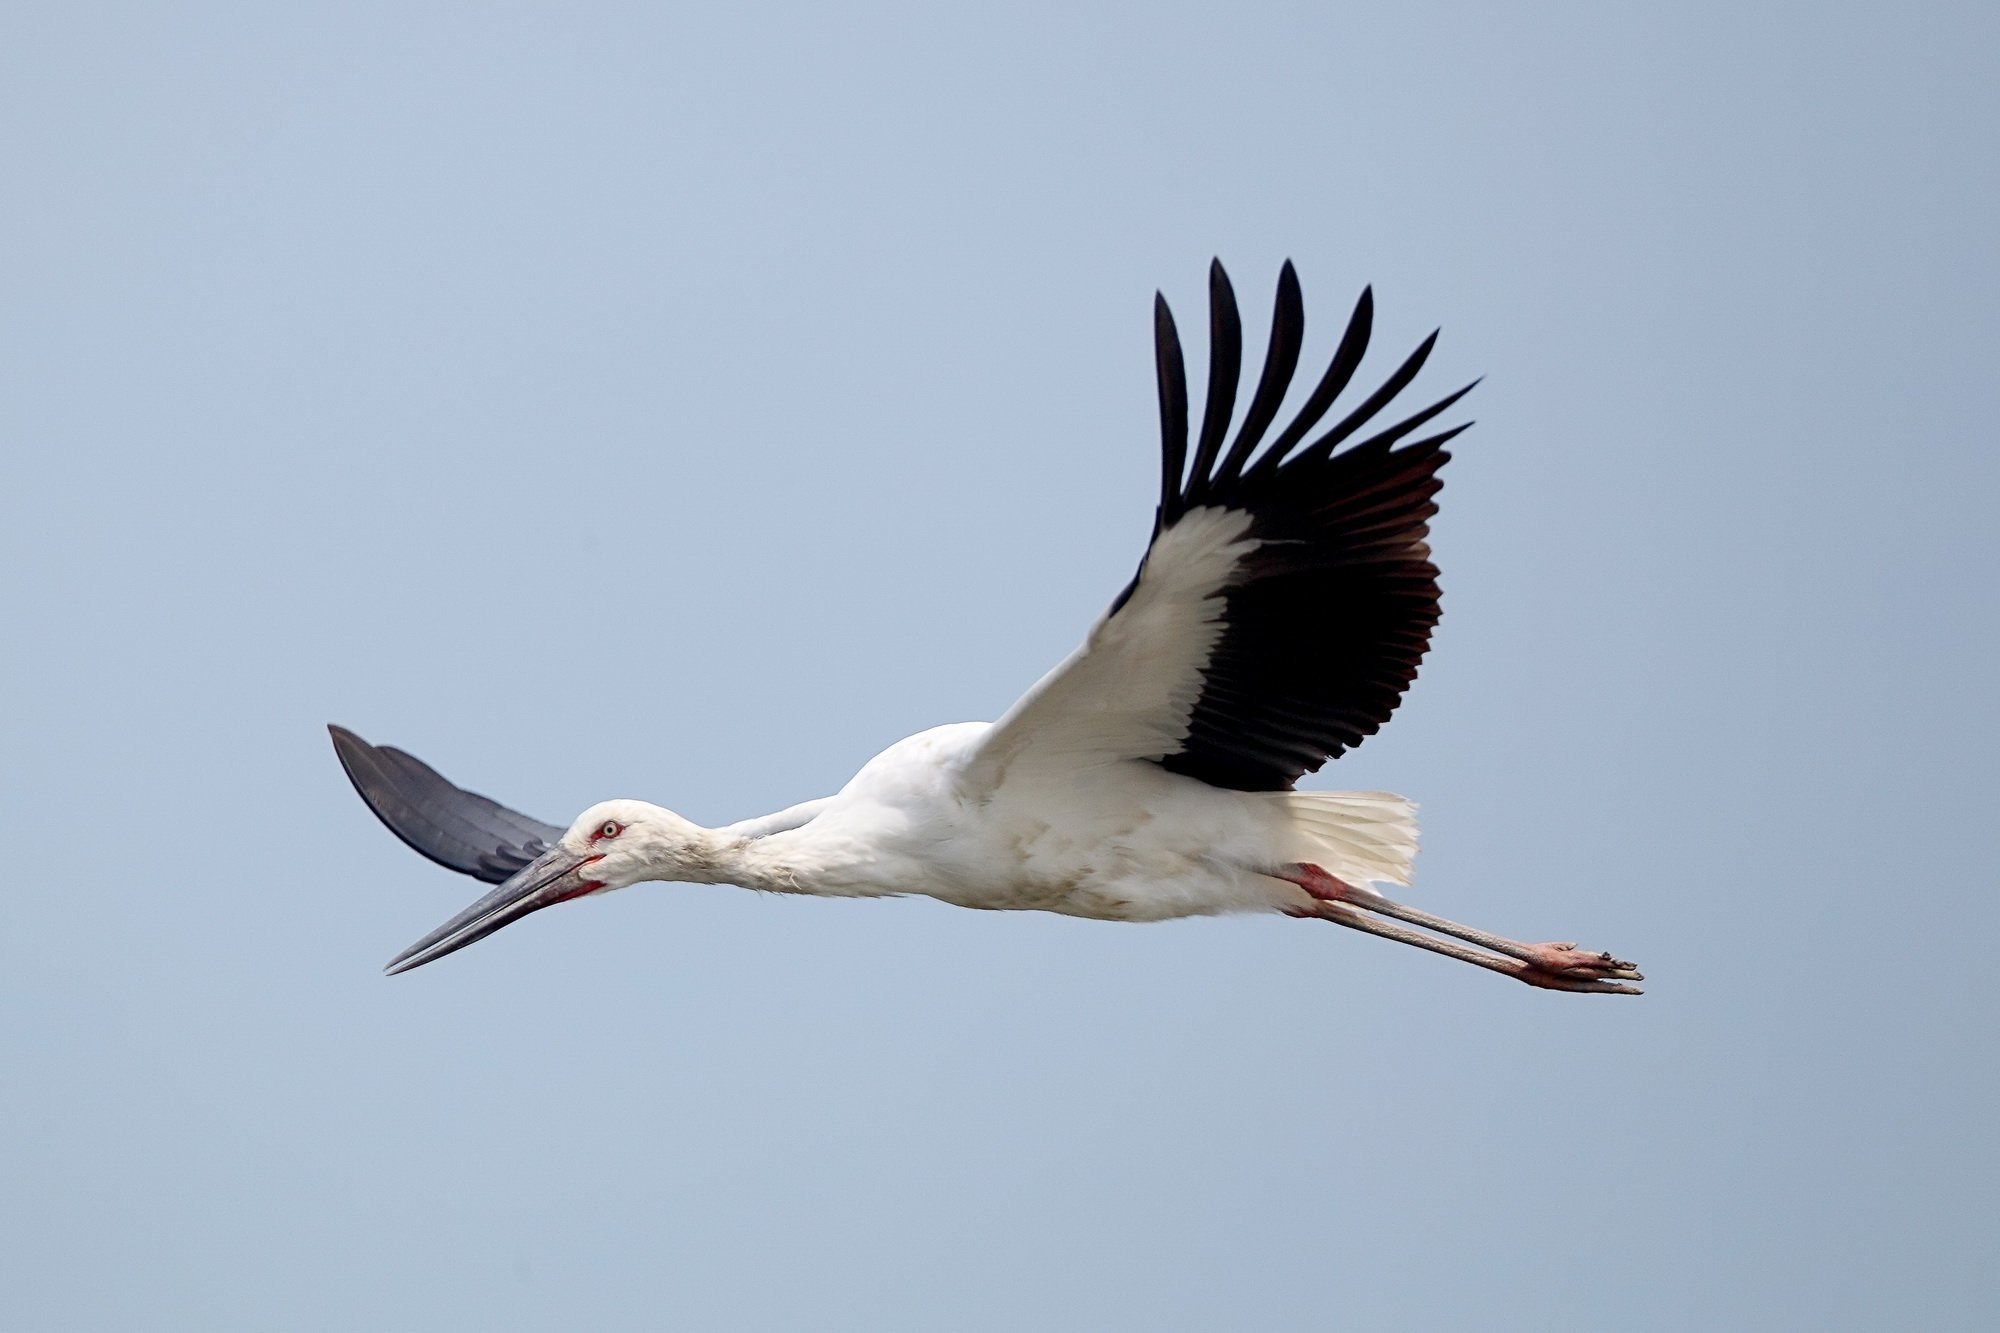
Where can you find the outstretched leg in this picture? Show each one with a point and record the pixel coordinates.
(1550, 966)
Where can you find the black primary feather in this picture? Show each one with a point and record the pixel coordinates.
(1172, 376)
(1225, 367)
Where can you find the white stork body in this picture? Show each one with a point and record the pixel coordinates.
(1133, 843)
(1279, 614)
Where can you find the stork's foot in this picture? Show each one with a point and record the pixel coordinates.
(1565, 967)
(1548, 966)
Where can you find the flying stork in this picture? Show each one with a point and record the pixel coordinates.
(1277, 617)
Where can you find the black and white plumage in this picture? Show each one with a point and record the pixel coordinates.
(1281, 610)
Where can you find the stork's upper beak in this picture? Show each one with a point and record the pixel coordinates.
(554, 876)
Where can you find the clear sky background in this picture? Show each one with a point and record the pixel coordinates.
(612, 400)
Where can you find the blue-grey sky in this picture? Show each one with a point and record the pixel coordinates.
(609, 400)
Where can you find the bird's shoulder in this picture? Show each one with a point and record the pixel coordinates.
(926, 764)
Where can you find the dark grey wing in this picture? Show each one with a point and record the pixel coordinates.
(458, 829)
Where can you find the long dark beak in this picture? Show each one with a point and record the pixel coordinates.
(555, 876)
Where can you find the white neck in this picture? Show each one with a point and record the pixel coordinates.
(698, 855)
(788, 852)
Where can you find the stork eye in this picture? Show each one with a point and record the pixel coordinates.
(612, 828)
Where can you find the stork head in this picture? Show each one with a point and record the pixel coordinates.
(611, 845)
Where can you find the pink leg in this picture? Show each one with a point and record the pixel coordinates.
(1550, 966)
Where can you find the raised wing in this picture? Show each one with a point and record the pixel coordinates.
(1286, 598)
(458, 829)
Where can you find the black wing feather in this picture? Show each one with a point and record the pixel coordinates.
(1346, 360)
(458, 829)
(1322, 448)
(1171, 372)
(1325, 623)
(1225, 367)
(1288, 331)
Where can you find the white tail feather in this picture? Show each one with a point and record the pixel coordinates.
(1359, 836)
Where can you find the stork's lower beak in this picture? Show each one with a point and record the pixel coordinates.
(555, 876)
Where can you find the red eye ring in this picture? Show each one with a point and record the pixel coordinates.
(612, 828)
